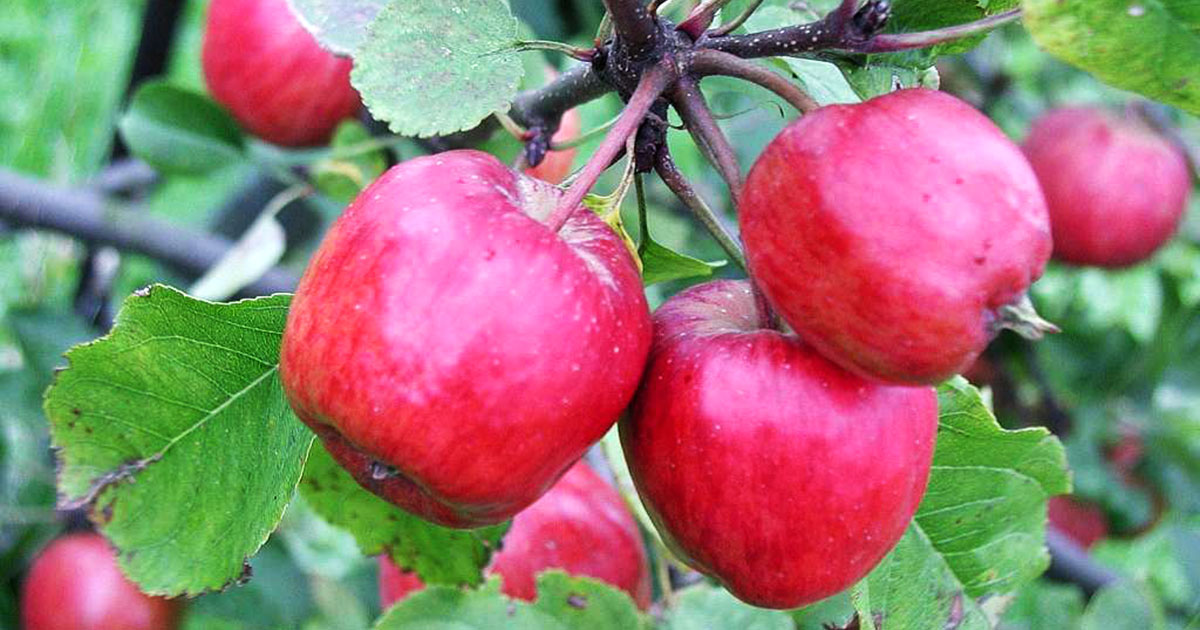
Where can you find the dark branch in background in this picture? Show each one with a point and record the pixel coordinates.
(634, 26)
(1071, 563)
(840, 30)
(714, 62)
(160, 23)
(88, 216)
(576, 86)
(698, 118)
(125, 176)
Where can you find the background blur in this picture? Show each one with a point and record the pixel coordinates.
(1121, 385)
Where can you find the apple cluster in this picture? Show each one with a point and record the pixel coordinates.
(457, 356)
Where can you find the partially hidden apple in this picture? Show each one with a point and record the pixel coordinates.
(272, 75)
(764, 465)
(580, 526)
(556, 165)
(454, 353)
(896, 236)
(75, 584)
(1085, 523)
(1116, 188)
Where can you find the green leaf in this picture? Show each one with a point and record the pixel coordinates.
(179, 131)
(1044, 605)
(174, 431)
(563, 603)
(911, 16)
(660, 264)
(705, 607)
(1147, 46)
(1123, 606)
(439, 555)
(354, 163)
(339, 25)
(432, 67)
(980, 528)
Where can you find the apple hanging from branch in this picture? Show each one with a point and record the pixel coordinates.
(454, 353)
(763, 464)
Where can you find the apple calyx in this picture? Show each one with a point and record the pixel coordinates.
(1020, 317)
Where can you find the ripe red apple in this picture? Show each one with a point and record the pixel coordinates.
(892, 234)
(581, 526)
(1116, 189)
(271, 74)
(75, 584)
(1085, 523)
(764, 465)
(456, 355)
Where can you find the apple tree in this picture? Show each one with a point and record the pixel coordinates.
(605, 314)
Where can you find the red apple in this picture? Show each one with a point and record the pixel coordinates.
(581, 526)
(456, 355)
(891, 234)
(75, 584)
(1085, 523)
(271, 74)
(1116, 189)
(555, 167)
(763, 464)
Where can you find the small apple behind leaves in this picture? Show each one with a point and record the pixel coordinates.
(555, 167)
(272, 75)
(454, 353)
(75, 584)
(764, 465)
(897, 236)
(1116, 189)
(580, 526)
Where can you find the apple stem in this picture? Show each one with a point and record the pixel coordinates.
(705, 130)
(893, 42)
(653, 82)
(674, 179)
(733, 24)
(1020, 317)
(715, 62)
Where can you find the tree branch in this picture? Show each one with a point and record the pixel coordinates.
(715, 62)
(685, 96)
(635, 27)
(841, 30)
(575, 86)
(1071, 563)
(653, 82)
(87, 215)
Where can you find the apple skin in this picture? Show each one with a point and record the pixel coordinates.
(580, 526)
(75, 584)
(763, 464)
(1085, 523)
(1115, 188)
(272, 75)
(890, 233)
(453, 353)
